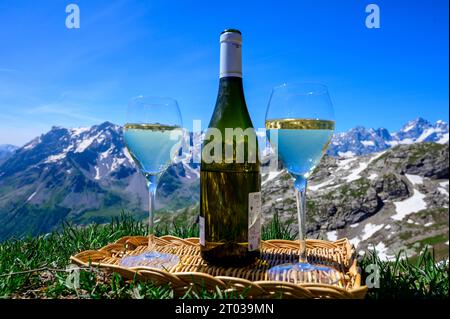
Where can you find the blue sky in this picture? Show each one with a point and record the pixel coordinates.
(50, 75)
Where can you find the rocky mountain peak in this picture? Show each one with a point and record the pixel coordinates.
(362, 141)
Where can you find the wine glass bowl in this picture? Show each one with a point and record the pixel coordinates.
(153, 135)
(308, 100)
(299, 125)
(152, 158)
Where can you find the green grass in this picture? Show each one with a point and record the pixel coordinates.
(277, 230)
(421, 278)
(35, 267)
(434, 240)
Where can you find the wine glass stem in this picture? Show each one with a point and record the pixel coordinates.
(151, 183)
(300, 194)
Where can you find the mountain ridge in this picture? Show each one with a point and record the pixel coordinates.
(362, 141)
(356, 141)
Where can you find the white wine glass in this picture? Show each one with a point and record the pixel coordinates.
(299, 125)
(153, 136)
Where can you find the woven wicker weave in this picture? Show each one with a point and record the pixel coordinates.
(252, 281)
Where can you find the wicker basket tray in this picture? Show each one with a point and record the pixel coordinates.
(193, 273)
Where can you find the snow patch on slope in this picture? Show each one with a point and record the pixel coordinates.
(321, 185)
(272, 175)
(31, 196)
(410, 205)
(414, 179)
(346, 154)
(381, 250)
(425, 134)
(368, 143)
(443, 139)
(332, 235)
(355, 174)
(368, 231)
(79, 130)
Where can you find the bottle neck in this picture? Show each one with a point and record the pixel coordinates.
(231, 56)
(231, 85)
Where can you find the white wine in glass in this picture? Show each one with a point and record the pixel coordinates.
(153, 135)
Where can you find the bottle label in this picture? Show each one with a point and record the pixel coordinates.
(254, 221)
(201, 223)
(231, 55)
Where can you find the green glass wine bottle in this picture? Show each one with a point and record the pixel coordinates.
(230, 179)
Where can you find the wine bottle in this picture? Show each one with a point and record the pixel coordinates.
(230, 179)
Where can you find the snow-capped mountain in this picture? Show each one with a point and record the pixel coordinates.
(83, 175)
(361, 141)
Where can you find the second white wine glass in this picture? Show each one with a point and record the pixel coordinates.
(153, 135)
(299, 125)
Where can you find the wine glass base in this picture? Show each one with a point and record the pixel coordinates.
(152, 259)
(305, 273)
